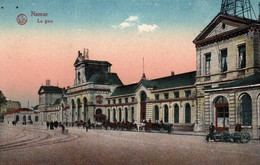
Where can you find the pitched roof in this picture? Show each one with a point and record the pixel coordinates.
(173, 81)
(241, 23)
(50, 89)
(250, 80)
(105, 78)
(17, 111)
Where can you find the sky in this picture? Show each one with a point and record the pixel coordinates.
(122, 32)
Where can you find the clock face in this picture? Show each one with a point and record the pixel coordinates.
(99, 99)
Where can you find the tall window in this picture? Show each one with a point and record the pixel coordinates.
(114, 101)
(242, 56)
(36, 118)
(224, 60)
(133, 99)
(133, 112)
(114, 115)
(126, 114)
(156, 113)
(246, 110)
(207, 64)
(120, 115)
(176, 113)
(108, 101)
(108, 115)
(120, 101)
(187, 113)
(166, 114)
(126, 100)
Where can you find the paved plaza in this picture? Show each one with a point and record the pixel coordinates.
(32, 144)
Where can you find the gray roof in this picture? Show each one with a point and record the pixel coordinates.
(50, 89)
(173, 81)
(105, 78)
(250, 80)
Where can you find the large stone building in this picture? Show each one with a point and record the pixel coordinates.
(224, 89)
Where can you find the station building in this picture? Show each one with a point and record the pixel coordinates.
(224, 89)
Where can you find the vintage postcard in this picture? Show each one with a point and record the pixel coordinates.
(130, 82)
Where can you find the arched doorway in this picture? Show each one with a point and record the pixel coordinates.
(176, 113)
(166, 114)
(156, 113)
(143, 106)
(24, 118)
(222, 114)
(246, 110)
(187, 113)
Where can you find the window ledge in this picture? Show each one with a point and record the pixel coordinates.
(246, 127)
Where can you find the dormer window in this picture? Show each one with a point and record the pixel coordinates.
(166, 96)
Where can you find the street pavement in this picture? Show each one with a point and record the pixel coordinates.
(32, 144)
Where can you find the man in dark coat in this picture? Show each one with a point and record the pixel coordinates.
(47, 124)
(238, 127)
(211, 132)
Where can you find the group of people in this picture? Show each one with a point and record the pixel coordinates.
(238, 128)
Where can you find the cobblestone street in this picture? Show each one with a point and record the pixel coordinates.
(32, 144)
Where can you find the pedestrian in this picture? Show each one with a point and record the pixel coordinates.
(211, 132)
(47, 124)
(62, 127)
(238, 127)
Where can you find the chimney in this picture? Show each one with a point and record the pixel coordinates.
(48, 82)
(172, 73)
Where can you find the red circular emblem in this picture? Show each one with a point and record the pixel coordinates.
(99, 99)
(21, 19)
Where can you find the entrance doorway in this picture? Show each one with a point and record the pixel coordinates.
(222, 114)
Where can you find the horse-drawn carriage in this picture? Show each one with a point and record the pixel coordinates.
(158, 127)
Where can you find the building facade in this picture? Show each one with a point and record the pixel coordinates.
(224, 89)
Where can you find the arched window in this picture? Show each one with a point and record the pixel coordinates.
(143, 96)
(114, 115)
(246, 110)
(176, 113)
(36, 119)
(187, 113)
(29, 117)
(73, 110)
(85, 108)
(120, 115)
(98, 111)
(156, 113)
(78, 110)
(17, 118)
(108, 115)
(126, 114)
(133, 112)
(166, 114)
(24, 118)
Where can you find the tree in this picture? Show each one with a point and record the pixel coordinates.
(2, 98)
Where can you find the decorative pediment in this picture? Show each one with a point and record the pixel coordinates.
(223, 26)
(220, 28)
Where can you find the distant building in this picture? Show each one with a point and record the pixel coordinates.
(22, 116)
